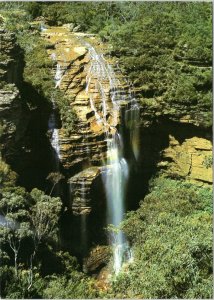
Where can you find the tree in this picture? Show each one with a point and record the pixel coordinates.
(16, 223)
(44, 215)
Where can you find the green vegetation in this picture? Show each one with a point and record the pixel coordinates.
(171, 234)
(31, 264)
(37, 72)
(38, 65)
(7, 176)
(38, 69)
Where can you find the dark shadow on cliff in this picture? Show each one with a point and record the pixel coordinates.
(153, 140)
(80, 233)
(36, 157)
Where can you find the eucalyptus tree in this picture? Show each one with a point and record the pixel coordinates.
(15, 225)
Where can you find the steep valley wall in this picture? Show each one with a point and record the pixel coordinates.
(170, 144)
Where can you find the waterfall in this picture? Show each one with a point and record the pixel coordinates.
(115, 183)
(54, 131)
(58, 75)
(52, 122)
(101, 74)
(43, 27)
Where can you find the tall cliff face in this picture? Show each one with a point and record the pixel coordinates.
(166, 132)
(83, 150)
(176, 150)
(23, 140)
(13, 111)
(171, 141)
(177, 115)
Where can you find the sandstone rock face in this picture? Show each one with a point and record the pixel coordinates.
(80, 187)
(190, 160)
(86, 146)
(86, 143)
(13, 117)
(97, 258)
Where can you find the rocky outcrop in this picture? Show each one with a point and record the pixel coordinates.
(23, 141)
(12, 120)
(190, 160)
(80, 188)
(86, 145)
(98, 257)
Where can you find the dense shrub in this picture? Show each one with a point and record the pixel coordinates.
(171, 234)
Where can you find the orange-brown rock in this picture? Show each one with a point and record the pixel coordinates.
(80, 190)
(97, 259)
(86, 145)
(189, 159)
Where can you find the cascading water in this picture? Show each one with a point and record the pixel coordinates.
(54, 131)
(99, 75)
(116, 181)
(43, 27)
(58, 75)
(52, 123)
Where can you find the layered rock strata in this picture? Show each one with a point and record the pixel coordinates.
(190, 160)
(86, 145)
(80, 188)
(86, 142)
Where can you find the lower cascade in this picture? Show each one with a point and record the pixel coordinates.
(115, 176)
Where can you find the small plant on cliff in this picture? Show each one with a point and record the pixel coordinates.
(208, 161)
